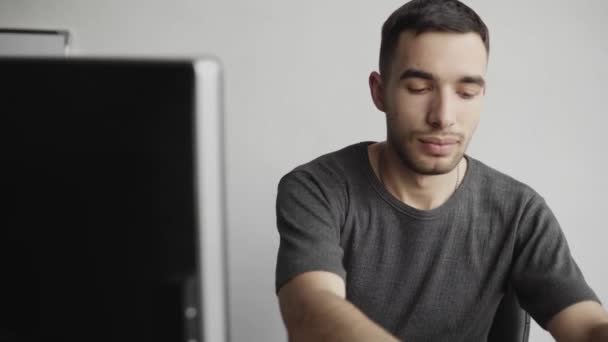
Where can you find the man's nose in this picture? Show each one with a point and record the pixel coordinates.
(441, 114)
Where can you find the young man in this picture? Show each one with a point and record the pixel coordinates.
(411, 238)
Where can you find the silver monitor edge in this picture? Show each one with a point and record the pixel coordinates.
(209, 174)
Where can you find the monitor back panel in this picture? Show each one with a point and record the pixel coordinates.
(97, 238)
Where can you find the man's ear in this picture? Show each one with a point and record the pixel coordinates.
(376, 89)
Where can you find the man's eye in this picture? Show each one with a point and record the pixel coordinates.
(417, 90)
(468, 92)
(467, 96)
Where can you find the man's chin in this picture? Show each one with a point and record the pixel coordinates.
(424, 162)
(435, 165)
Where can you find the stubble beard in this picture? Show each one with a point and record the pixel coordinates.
(420, 164)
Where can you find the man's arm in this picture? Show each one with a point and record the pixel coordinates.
(314, 308)
(585, 322)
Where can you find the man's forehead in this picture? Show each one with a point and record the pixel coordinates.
(444, 39)
(446, 55)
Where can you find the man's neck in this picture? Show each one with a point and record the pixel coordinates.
(423, 192)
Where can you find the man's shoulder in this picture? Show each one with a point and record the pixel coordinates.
(489, 180)
(334, 166)
(325, 179)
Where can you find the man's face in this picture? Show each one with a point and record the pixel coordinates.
(432, 98)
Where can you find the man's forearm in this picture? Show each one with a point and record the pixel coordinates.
(599, 333)
(327, 317)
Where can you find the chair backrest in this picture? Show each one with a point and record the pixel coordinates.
(511, 323)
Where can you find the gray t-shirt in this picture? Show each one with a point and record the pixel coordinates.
(431, 275)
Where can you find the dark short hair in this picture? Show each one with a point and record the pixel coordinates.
(420, 16)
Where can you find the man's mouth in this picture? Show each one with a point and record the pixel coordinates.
(438, 146)
(439, 140)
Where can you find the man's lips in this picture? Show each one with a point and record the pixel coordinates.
(438, 146)
(439, 140)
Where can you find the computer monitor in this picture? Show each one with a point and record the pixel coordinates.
(112, 219)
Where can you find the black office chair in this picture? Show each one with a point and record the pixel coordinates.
(511, 323)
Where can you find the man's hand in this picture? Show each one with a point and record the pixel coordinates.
(314, 308)
(585, 321)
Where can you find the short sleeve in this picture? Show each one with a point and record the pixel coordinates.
(545, 276)
(308, 221)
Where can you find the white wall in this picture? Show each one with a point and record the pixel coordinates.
(296, 79)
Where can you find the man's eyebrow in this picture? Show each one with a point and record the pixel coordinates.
(474, 80)
(416, 73)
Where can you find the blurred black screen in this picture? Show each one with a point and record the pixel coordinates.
(97, 235)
